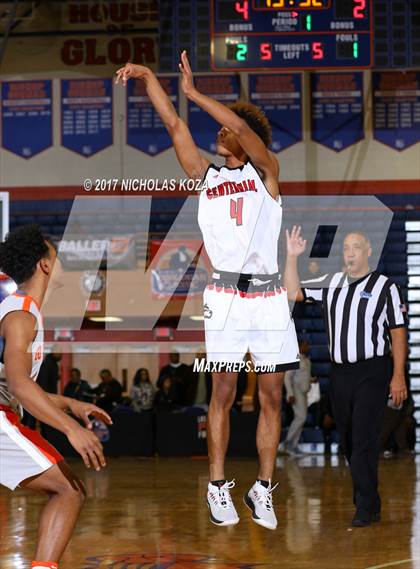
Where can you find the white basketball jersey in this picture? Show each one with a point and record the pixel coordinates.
(240, 220)
(12, 303)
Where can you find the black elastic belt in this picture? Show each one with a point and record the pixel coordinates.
(245, 281)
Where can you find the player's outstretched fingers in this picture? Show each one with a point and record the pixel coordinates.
(186, 63)
(85, 457)
(94, 452)
(101, 415)
(98, 451)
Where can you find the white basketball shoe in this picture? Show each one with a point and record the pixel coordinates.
(219, 501)
(260, 501)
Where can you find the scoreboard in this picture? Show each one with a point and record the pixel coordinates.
(291, 34)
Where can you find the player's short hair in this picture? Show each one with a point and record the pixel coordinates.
(255, 118)
(21, 251)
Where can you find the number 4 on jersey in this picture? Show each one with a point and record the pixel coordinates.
(236, 210)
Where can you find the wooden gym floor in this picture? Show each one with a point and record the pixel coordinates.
(151, 514)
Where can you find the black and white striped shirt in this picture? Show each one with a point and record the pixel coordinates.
(358, 315)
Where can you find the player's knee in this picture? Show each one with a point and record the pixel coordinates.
(270, 400)
(71, 489)
(223, 396)
(73, 494)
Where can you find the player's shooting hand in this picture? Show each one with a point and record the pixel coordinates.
(398, 389)
(88, 446)
(296, 245)
(187, 82)
(83, 411)
(131, 71)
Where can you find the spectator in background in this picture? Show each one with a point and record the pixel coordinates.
(298, 383)
(180, 375)
(166, 396)
(49, 373)
(198, 390)
(312, 271)
(78, 388)
(142, 392)
(109, 392)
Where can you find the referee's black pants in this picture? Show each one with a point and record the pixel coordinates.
(359, 393)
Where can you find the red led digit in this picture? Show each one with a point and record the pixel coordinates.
(265, 51)
(358, 10)
(242, 8)
(317, 50)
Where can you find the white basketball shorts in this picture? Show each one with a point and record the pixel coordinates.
(23, 452)
(255, 319)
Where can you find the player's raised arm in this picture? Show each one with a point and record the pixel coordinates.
(17, 329)
(192, 162)
(251, 143)
(295, 247)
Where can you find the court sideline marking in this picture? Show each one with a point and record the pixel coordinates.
(393, 563)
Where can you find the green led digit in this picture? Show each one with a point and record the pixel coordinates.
(241, 51)
(355, 49)
(308, 23)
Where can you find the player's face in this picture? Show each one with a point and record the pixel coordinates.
(356, 253)
(227, 144)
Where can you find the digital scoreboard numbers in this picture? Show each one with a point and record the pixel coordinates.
(291, 34)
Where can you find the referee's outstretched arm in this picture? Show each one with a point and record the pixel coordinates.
(295, 246)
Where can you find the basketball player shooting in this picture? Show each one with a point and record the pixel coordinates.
(245, 308)
(26, 459)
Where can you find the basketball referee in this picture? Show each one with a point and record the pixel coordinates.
(366, 319)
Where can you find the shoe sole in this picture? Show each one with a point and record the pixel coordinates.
(221, 524)
(250, 505)
(376, 518)
(360, 524)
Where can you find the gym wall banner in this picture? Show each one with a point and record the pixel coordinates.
(177, 274)
(145, 129)
(117, 252)
(204, 129)
(337, 109)
(83, 37)
(280, 97)
(26, 116)
(396, 108)
(86, 115)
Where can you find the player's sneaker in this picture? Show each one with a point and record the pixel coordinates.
(260, 501)
(219, 501)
